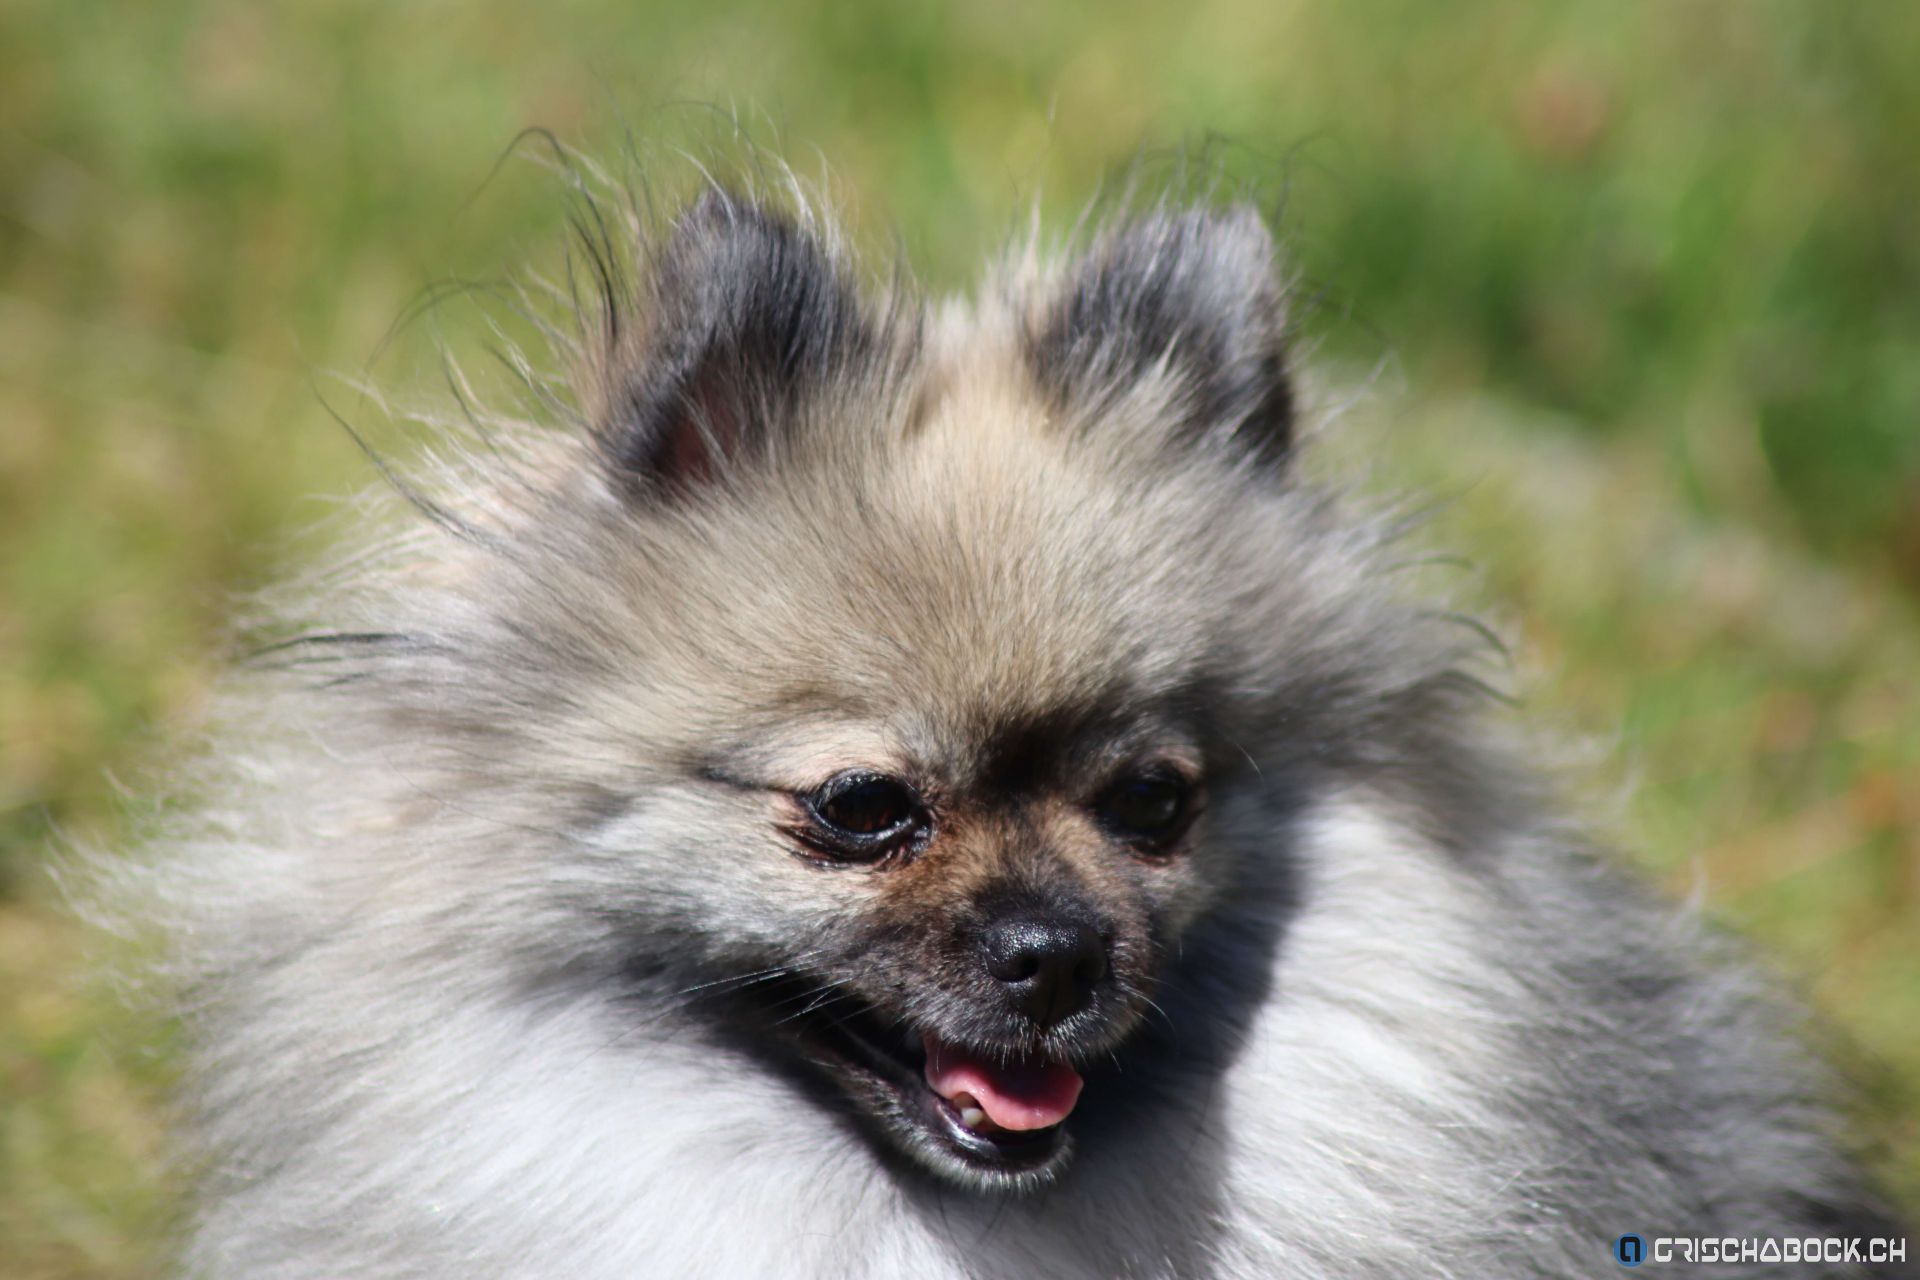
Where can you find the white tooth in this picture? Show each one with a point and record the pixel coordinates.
(971, 1113)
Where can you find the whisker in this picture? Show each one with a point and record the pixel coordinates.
(736, 981)
(825, 999)
(1155, 1008)
(806, 992)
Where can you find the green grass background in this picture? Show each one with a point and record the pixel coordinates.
(1637, 284)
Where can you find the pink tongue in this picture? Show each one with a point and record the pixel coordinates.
(1030, 1094)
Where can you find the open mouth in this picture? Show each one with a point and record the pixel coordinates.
(993, 1117)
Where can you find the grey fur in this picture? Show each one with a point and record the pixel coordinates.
(466, 928)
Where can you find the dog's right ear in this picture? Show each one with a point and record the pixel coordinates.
(1187, 305)
(744, 317)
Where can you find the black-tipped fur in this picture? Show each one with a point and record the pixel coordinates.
(1191, 295)
(747, 312)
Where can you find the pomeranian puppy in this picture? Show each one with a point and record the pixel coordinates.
(888, 789)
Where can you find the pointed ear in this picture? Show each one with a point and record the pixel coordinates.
(745, 319)
(1184, 306)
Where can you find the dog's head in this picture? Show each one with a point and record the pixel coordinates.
(909, 683)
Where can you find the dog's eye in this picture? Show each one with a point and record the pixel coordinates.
(867, 806)
(863, 816)
(1149, 807)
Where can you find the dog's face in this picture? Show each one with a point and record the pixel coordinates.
(977, 909)
(907, 675)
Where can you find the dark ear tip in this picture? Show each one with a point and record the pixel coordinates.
(717, 208)
(716, 225)
(748, 315)
(1237, 232)
(1192, 290)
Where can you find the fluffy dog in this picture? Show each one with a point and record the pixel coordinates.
(885, 788)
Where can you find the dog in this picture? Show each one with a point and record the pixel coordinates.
(878, 786)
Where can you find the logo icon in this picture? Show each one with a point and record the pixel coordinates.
(1629, 1251)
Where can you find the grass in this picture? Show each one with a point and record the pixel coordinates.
(1644, 279)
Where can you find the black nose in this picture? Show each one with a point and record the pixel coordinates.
(1048, 965)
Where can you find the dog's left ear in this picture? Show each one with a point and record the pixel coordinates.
(1187, 307)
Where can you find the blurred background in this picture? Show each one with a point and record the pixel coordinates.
(1638, 285)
